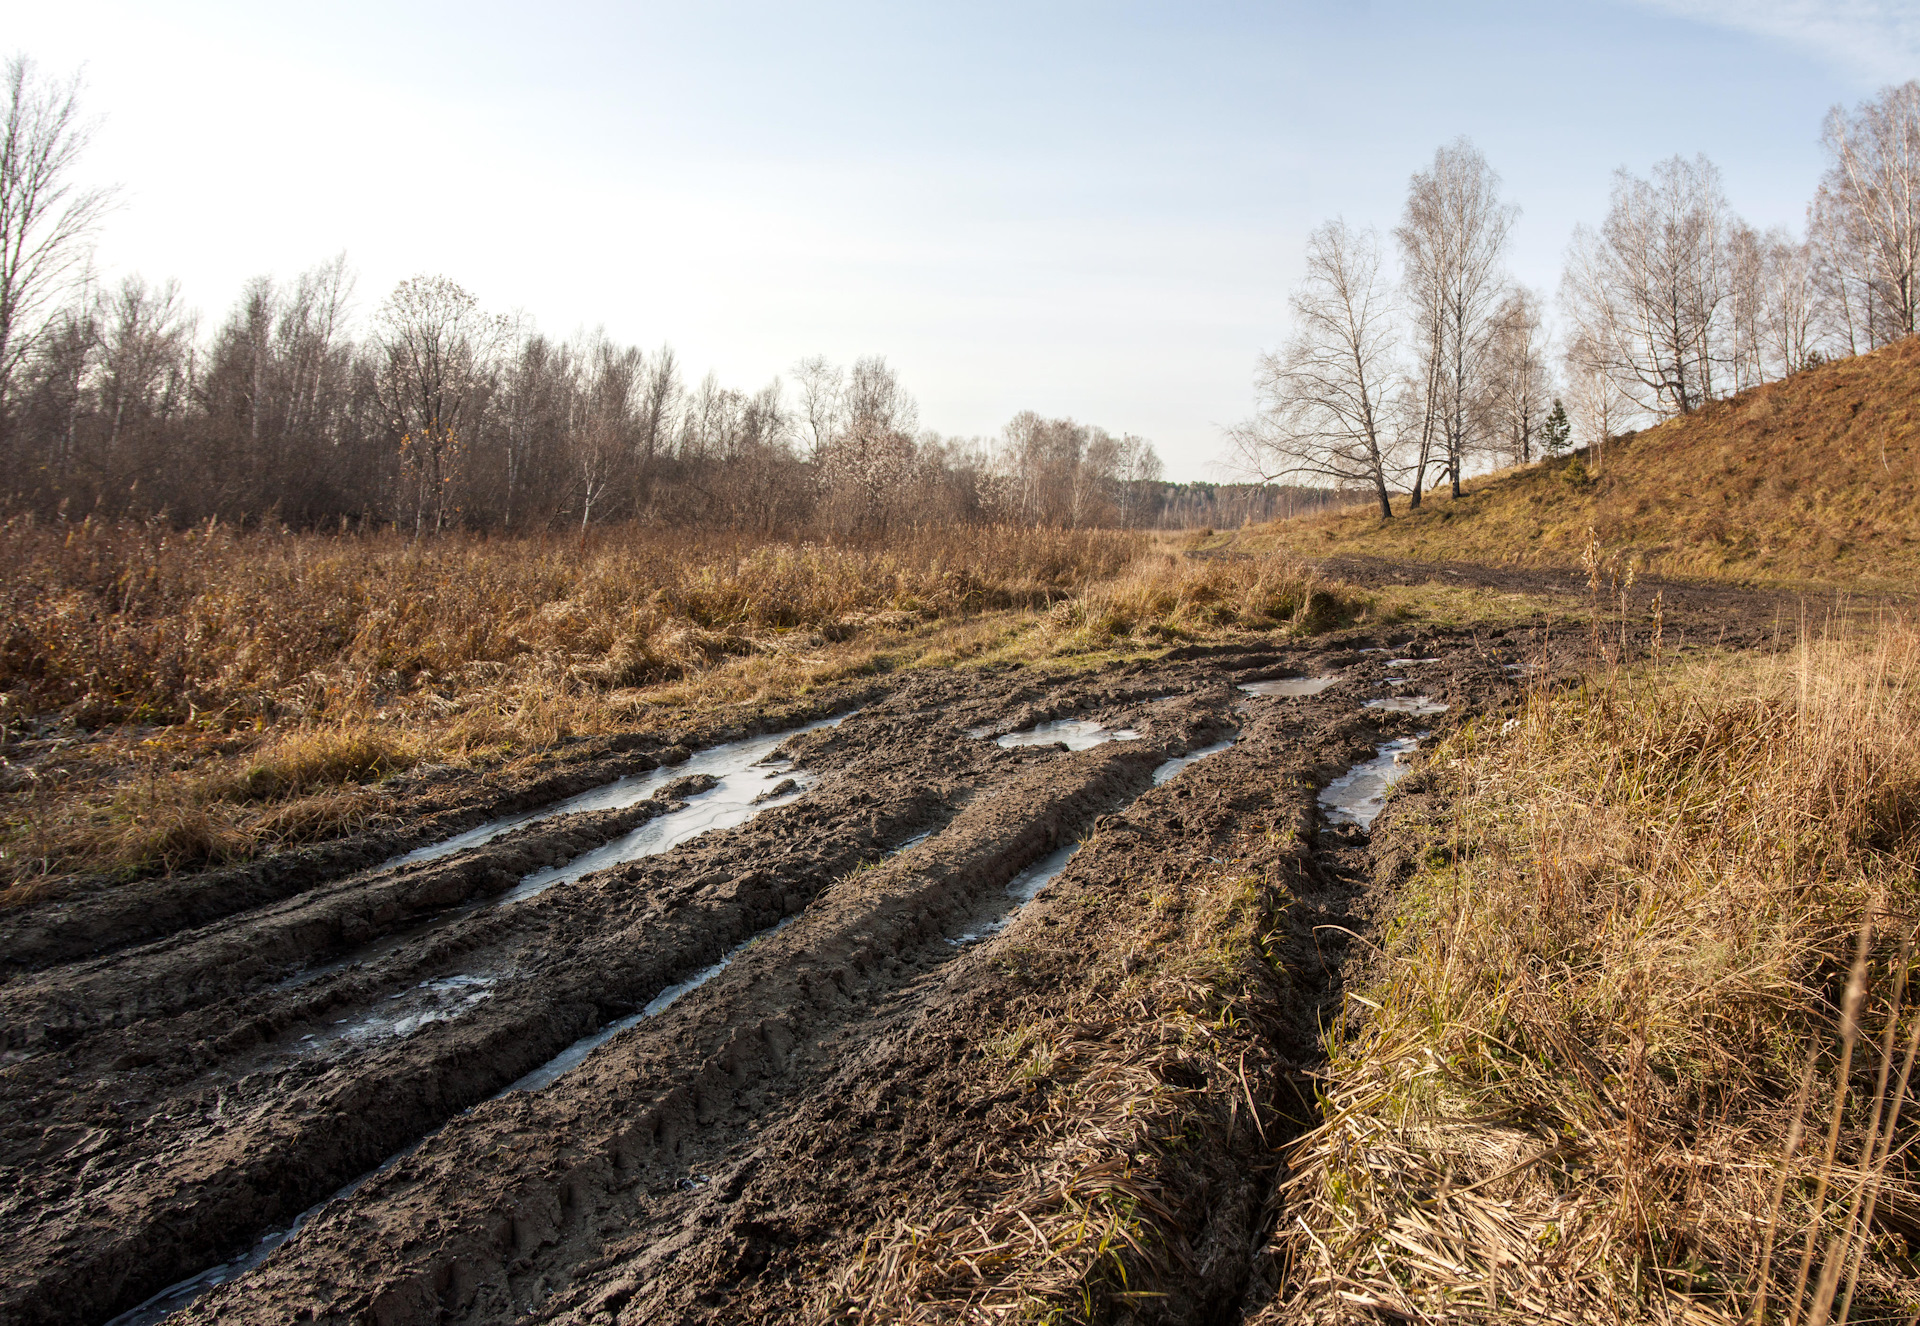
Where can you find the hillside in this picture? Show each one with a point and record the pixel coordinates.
(1813, 478)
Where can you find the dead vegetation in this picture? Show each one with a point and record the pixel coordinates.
(175, 699)
(1638, 1046)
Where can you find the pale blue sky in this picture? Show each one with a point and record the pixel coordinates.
(1093, 210)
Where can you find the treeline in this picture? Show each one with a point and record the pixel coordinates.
(1396, 375)
(444, 415)
(438, 414)
(1230, 505)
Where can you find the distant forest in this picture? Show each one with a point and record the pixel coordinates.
(437, 414)
(444, 416)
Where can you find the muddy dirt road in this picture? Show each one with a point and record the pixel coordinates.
(666, 1035)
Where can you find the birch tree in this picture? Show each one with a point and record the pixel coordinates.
(1648, 293)
(1452, 237)
(1325, 398)
(1869, 208)
(45, 218)
(1519, 389)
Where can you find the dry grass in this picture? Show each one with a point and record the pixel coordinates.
(174, 699)
(1136, 1118)
(1638, 1044)
(124, 622)
(1811, 479)
(1166, 596)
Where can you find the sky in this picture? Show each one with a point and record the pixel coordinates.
(1089, 210)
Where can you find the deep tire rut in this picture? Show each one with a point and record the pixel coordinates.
(167, 1105)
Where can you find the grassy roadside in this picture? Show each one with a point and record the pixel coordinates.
(173, 700)
(1637, 1044)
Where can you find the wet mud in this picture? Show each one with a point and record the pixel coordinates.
(679, 1086)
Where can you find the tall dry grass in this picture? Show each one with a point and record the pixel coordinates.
(111, 622)
(172, 699)
(1637, 1044)
(1163, 595)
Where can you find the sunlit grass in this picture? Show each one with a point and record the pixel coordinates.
(1572, 1089)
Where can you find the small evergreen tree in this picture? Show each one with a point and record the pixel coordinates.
(1556, 434)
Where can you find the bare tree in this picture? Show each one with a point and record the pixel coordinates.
(44, 218)
(1790, 315)
(1869, 209)
(821, 384)
(870, 459)
(143, 365)
(1518, 388)
(1648, 294)
(1452, 237)
(437, 352)
(1138, 467)
(1593, 389)
(1324, 403)
(1747, 298)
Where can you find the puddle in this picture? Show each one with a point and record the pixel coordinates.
(1409, 704)
(178, 1297)
(1179, 762)
(439, 1000)
(1023, 889)
(576, 1054)
(1290, 688)
(746, 779)
(1075, 733)
(911, 843)
(1407, 662)
(1360, 794)
(720, 761)
(1026, 886)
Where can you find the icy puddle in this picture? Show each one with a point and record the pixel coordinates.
(1074, 733)
(576, 1054)
(1409, 704)
(722, 762)
(1360, 794)
(746, 787)
(1023, 888)
(440, 1000)
(1179, 762)
(1289, 688)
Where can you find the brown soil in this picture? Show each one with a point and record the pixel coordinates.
(164, 1104)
